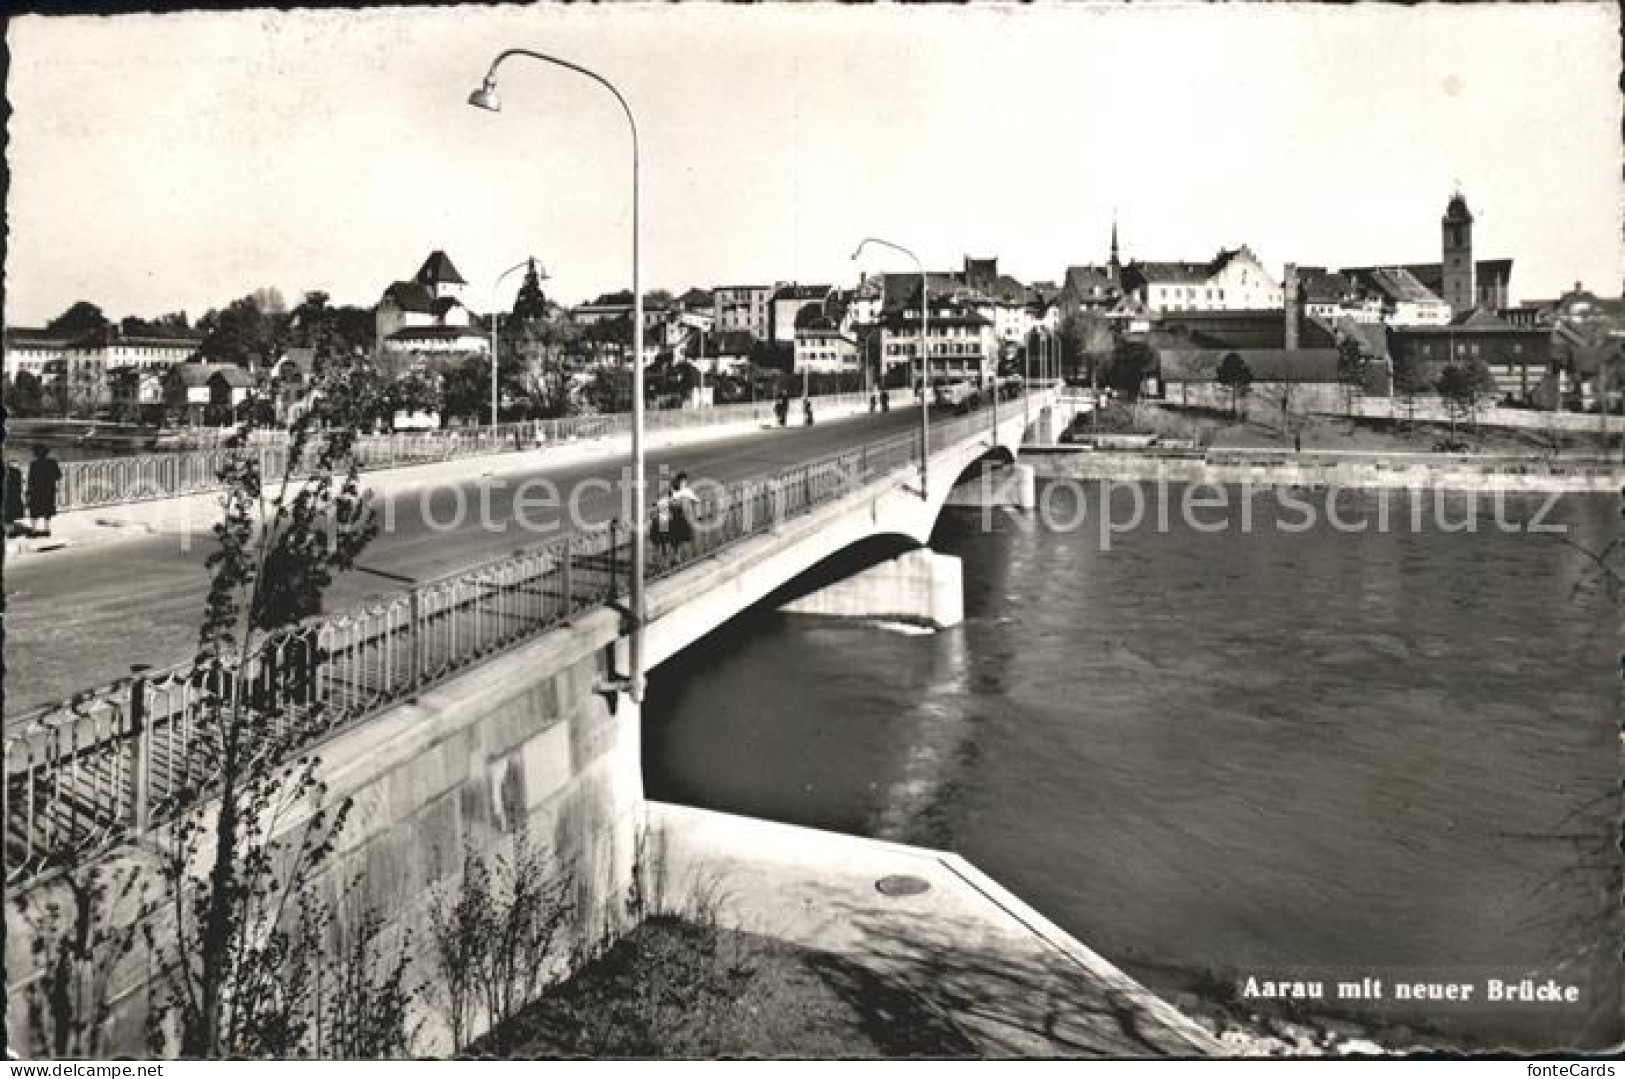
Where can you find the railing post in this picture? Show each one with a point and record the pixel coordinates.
(567, 575)
(141, 756)
(614, 556)
(418, 634)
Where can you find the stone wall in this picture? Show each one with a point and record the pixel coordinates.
(463, 767)
(1332, 470)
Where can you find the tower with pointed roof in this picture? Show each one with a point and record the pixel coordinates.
(440, 277)
(1457, 268)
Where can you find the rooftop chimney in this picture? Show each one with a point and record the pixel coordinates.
(1289, 297)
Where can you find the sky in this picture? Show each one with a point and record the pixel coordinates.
(176, 162)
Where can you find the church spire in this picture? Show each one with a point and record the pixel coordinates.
(1114, 237)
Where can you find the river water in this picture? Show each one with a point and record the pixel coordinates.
(1309, 755)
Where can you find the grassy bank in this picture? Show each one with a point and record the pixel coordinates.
(675, 989)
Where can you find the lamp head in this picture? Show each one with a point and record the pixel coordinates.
(486, 96)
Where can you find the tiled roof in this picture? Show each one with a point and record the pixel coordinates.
(695, 297)
(36, 338)
(411, 296)
(199, 374)
(434, 333)
(437, 269)
(1265, 365)
(1317, 285)
(1478, 316)
(1168, 272)
(1244, 329)
(1373, 336)
(1395, 283)
(802, 292)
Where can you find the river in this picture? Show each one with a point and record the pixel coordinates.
(1218, 755)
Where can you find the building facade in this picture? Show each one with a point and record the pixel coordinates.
(743, 308)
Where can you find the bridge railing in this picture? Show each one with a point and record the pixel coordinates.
(85, 774)
(110, 481)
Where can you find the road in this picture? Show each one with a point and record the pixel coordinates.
(77, 619)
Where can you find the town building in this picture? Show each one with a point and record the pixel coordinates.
(1234, 279)
(1520, 358)
(961, 345)
(34, 351)
(788, 302)
(426, 315)
(1458, 281)
(743, 308)
(1401, 297)
(209, 392)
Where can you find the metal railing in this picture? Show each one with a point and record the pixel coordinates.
(107, 765)
(110, 481)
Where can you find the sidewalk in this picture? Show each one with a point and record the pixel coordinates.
(100, 525)
(1013, 982)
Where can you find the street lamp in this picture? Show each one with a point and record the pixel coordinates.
(925, 358)
(496, 320)
(486, 98)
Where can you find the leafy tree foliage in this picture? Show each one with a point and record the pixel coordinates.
(1463, 387)
(1130, 362)
(79, 320)
(243, 334)
(1237, 377)
(23, 395)
(1352, 365)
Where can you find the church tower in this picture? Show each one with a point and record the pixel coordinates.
(1456, 265)
(1114, 268)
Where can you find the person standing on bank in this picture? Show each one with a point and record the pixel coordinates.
(44, 476)
(15, 510)
(781, 408)
(885, 400)
(806, 410)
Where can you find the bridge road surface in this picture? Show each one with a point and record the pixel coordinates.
(78, 619)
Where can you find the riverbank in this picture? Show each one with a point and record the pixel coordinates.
(1323, 469)
(926, 924)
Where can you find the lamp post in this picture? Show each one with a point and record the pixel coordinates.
(496, 321)
(486, 98)
(925, 358)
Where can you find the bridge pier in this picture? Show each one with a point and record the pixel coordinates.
(1015, 486)
(920, 586)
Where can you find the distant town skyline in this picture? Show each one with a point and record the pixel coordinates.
(172, 162)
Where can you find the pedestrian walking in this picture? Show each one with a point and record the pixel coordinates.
(673, 517)
(806, 410)
(781, 408)
(885, 400)
(874, 402)
(14, 509)
(44, 476)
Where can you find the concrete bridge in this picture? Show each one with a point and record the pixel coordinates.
(495, 699)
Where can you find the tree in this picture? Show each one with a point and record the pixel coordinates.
(1462, 388)
(80, 320)
(244, 334)
(1411, 379)
(530, 304)
(24, 395)
(1352, 363)
(1126, 371)
(1235, 375)
(244, 974)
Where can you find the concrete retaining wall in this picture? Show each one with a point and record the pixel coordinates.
(1448, 473)
(919, 586)
(463, 767)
